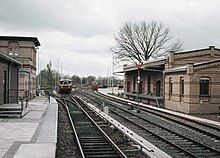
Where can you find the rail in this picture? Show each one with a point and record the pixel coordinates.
(106, 136)
(73, 127)
(75, 133)
(130, 134)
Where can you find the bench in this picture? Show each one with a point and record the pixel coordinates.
(149, 98)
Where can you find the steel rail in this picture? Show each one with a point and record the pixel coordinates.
(168, 117)
(118, 150)
(152, 133)
(73, 127)
(134, 114)
(143, 108)
(210, 148)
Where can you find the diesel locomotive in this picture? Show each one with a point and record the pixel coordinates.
(94, 86)
(65, 86)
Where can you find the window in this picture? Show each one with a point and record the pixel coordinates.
(16, 51)
(10, 51)
(204, 86)
(170, 88)
(181, 86)
(13, 48)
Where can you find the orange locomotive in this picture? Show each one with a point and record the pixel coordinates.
(65, 86)
(94, 86)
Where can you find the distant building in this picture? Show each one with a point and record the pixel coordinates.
(9, 73)
(23, 49)
(187, 81)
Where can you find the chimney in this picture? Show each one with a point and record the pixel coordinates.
(211, 47)
(189, 68)
(171, 58)
(212, 50)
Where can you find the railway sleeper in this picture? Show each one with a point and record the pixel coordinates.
(207, 154)
(103, 156)
(103, 152)
(91, 139)
(97, 149)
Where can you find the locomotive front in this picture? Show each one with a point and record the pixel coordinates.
(65, 86)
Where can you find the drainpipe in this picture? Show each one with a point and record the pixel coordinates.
(9, 80)
(18, 83)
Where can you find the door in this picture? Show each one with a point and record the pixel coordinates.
(128, 86)
(158, 84)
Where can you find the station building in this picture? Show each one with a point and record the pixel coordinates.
(9, 72)
(23, 50)
(186, 81)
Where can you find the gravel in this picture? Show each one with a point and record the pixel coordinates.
(66, 146)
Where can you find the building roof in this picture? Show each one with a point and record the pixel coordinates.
(21, 38)
(6, 57)
(183, 68)
(153, 63)
(197, 50)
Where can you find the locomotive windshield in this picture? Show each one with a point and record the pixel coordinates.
(65, 81)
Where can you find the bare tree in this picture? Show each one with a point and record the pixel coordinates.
(138, 42)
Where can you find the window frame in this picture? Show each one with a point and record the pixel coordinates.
(204, 86)
(170, 85)
(182, 86)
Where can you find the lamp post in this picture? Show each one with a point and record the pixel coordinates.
(139, 67)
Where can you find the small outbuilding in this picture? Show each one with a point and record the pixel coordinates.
(9, 79)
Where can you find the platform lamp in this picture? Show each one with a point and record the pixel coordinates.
(138, 67)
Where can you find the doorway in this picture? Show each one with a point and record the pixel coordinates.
(158, 84)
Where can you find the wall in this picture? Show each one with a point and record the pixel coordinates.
(11, 83)
(27, 56)
(192, 101)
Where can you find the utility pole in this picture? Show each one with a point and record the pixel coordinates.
(38, 72)
(58, 67)
(61, 70)
(112, 73)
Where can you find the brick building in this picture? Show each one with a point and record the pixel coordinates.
(9, 72)
(23, 49)
(187, 81)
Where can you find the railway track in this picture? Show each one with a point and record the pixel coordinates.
(178, 138)
(92, 141)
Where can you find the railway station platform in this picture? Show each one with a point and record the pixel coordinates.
(32, 136)
(210, 119)
(157, 152)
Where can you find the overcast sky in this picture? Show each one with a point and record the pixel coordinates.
(80, 32)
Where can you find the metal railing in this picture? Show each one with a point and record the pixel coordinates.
(24, 105)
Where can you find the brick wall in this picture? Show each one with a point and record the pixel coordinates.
(27, 56)
(11, 82)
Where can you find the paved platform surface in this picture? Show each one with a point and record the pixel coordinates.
(34, 135)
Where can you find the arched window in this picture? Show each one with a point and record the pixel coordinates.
(204, 86)
(181, 86)
(13, 48)
(170, 87)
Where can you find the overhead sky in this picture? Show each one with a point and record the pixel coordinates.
(80, 32)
